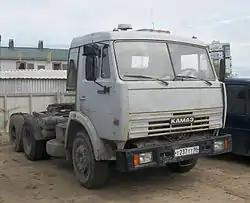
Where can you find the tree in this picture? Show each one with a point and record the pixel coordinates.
(229, 72)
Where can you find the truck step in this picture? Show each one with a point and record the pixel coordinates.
(60, 131)
(55, 148)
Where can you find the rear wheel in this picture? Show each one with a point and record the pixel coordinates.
(33, 149)
(183, 166)
(15, 132)
(90, 173)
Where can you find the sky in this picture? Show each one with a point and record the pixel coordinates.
(56, 22)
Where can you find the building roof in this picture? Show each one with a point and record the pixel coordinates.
(30, 53)
(133, 35)
(33, 74)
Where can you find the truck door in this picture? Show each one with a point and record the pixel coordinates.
(237, 122)
(92, 100)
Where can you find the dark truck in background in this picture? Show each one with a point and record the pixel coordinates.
(238, 114)
(238, 107)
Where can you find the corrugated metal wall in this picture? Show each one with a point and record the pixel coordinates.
(32, 81)
(32, 85)
(30, 90)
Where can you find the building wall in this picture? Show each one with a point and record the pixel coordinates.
(8, 65)
(11, 64)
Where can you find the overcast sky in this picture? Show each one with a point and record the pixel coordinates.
(58, 21)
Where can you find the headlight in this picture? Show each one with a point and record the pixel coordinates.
(145, 158)
(219, 145)
(142, 158)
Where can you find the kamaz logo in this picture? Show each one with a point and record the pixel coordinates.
(183, 120)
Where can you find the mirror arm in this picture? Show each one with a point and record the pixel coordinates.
(105, 88)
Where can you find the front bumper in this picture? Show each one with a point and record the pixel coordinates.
(165, 153)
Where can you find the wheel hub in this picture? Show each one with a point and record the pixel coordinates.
(82, 159)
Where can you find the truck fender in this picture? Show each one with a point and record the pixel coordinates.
(78, 120)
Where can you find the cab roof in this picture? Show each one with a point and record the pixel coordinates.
(237, 81)
(131, 35)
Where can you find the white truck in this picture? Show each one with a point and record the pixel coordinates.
(144, 98)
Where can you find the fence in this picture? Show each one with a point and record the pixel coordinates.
(28, 81)
(30, 90)
(28, 102)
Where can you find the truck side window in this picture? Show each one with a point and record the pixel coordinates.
(105, 69)
(236, 99)
(72, 73)
(72, 69)
(89, 63)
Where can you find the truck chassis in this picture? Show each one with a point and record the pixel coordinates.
(41, 135)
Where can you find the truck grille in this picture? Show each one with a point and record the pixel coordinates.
(157, 124)
(165, 127)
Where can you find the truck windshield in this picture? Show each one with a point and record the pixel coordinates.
(191, 61)
(143, 58)
(154, 59)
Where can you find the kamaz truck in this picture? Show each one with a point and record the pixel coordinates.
(143, 98)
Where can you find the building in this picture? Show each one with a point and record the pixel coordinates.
(218, 50)
(36, 58)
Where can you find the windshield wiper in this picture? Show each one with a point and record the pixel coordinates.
(147, 77)
(192, 77)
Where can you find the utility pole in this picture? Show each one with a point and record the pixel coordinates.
(151, 17)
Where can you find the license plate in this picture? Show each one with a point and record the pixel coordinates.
(186, 151)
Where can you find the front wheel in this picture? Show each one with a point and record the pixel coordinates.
(183, 166)
(90, 173)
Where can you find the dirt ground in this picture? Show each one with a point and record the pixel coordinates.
(222, 179)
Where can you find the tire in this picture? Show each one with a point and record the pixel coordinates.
(34, 149)
(15, 132)
(183, 166)
(96, 172)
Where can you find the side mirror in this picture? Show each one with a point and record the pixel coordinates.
(222, 70)
(91, 68)
(91, 50)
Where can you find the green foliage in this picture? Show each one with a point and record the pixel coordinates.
(229, 72)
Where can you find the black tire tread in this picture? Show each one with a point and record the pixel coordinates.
(99, 174)
(38, 147)
(177, 168)
(16, 121)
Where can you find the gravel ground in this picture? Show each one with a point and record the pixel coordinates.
(223, 179)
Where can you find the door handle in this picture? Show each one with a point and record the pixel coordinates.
(82, 98)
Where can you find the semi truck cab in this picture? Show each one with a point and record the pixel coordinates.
(143, 99)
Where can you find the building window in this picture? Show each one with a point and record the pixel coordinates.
(56, 66)
(30, 66)
(64, 66)
(20, 65)
(41, 67)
